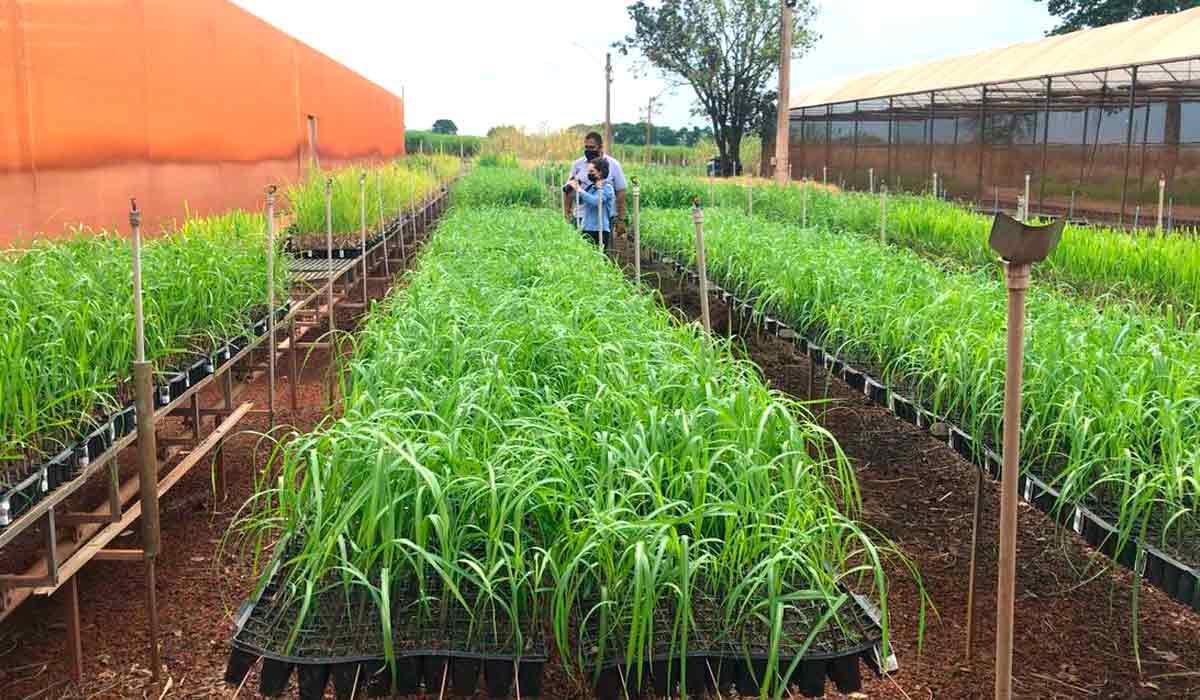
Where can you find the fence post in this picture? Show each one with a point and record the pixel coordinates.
(698, 219)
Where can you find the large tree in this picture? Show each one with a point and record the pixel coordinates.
(445, 126)
(726, 50)
(1074, 15)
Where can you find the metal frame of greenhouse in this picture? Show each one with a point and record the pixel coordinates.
(1094, 119)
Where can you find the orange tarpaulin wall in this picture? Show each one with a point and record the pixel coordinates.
(169, 101)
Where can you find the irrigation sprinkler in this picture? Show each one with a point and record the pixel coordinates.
(270, 345)
(1162, 192)
(637, 229)
(1020, 246)
(698, 219)
(362, 231)
(143, 378)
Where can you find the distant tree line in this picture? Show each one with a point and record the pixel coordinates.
(634, 134)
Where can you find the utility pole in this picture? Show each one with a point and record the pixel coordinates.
(608, 101)
(782, 169)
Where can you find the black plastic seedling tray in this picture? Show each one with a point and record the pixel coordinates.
(341, 641)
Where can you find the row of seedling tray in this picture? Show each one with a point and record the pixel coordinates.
(1180, 581)
(444, 651)
(104, 432)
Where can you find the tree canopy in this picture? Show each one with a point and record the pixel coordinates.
(726, 50)
(444, 126)
(1074, 15)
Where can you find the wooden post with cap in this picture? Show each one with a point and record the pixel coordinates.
(143, 384)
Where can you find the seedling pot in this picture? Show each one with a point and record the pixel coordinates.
(498, 675)
(433, 673)
(240, 663)
(663, 680)
(812, 678)
(274, 678)
(608, 685)
(344, 676)
(854, 378)
(464, 676)
(178, 385)
(844, 673)
(529, 675)
(751, 676)
(312, 680)
(903, 408)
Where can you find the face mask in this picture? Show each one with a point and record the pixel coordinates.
(590, 154)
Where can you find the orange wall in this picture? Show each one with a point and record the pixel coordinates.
(166, 101)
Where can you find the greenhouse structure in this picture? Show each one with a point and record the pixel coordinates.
(1094, 123)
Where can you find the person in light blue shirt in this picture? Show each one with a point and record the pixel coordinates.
(593, 147)
(596, 203)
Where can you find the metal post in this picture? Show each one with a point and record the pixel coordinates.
(637, 230)
(782, 169)
(387, 268)
(608, 101)
(1026, 209)
(982, 145)
(271, 344)
(698, 219)
(883, 214)
(1162, 191)
(871, 180)
(1045, 150)
(362, 231)
(1017, 281)
(935, 184)
(329, 253)
(143, 377)
(1128, 142)
(825, 175)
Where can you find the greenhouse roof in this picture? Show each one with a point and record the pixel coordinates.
(1160, 39)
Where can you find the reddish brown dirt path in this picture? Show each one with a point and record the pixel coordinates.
(1073, 609)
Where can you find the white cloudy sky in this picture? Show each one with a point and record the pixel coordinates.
(537, 63)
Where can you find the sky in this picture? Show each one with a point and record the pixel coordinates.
(538, 64)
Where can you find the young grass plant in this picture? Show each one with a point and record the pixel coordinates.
(525, 436)
(66, 329)
(1110, 407)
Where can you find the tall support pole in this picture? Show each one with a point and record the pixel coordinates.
(1043, 176)
(1025, 209)
(387, 267)
(362, 231)
(871, 180)
(1128, 142)
(608, 101)
(982, 137)
(887, 174)
(1017, 280)
(143, 377)
(272, 345)
(701, 266)
(782, 169)
(929, 142)
(637, 229)
(329, 253)
(883, 214)
(1162, 191)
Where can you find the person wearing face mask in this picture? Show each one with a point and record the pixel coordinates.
(593, 147)
(596, 203)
